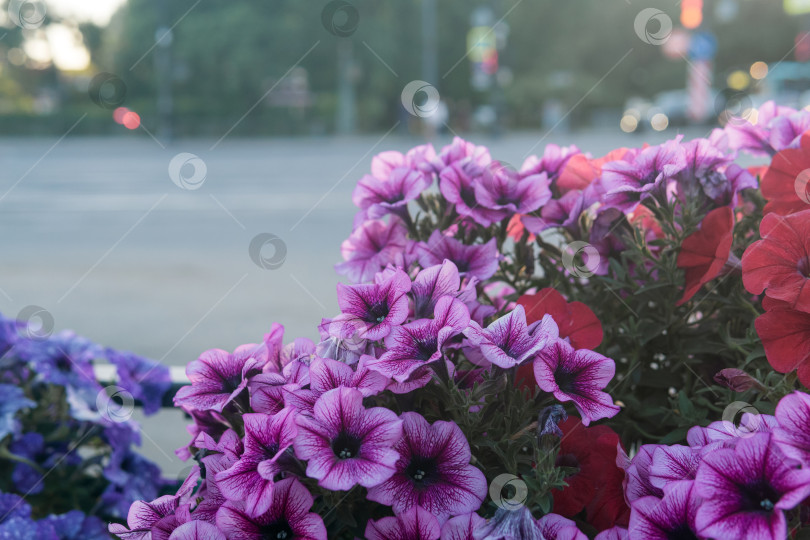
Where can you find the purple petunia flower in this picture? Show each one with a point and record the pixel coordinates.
(626, 183)
(504, 192)
(510, 524)
(637, 474)
(792, 436)
(614, 533)
(578, 376)
(509, 341)
(197, 530)
(378, 197)
(329, 374)
(776, 129)
(461, 150)
(552, 163)
(462, 527)
(346, 444)
(251, 479)
(371, 247)
(713, 174)
(372, 310)
(218, 378)
(422, 157)
(673, 516)
(458, 184)
(131, 478)
(672, 465)
(726, 434)
(143, 516)
(433, 471)
(13, 401)
(563, 212)
(419, 343)
(745, 490)
(431, 284)
(145, 379)
(555, 527)
(414, 524)
(479, 260)
(288, 516)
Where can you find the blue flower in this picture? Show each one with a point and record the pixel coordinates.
(15, 519)
(64, 359)
(13, 400)
(145, 379)
(73, 525)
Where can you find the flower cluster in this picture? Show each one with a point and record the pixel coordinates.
(67, 462)
(467, 388)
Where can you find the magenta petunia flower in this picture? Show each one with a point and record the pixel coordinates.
(379, 197)
(217, 377)
(251, 479)
(577, 376)
(415, 524)
(288, 517)
(479, 260)
(552, 163)
(506, 193)
(327, 374)
(712, 172)
(431, 284)
(143, 516)
(371, 247)
(422, 157)
(458, 184)
(672, 465)
(626, 183)
(745, 490)
(509, 341)
(197, 530)
(346, 444)
(372, 310)
(726, 434)
(416, 344)
(433, 471)
(637, 475)
(614, 533)
(462, 527)
(777, 128)
(673, 516)
(792, 435)
(460, 150)
(555, 527)
(510, 524)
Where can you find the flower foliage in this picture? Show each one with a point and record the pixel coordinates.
(575, 348)
(67, 459)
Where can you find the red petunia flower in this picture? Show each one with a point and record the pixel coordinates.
(786, 183)
(575, 320)
(597, 485)
(779, 264)
(785, 334)
(703, 253)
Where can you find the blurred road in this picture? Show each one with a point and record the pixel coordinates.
(95, 232)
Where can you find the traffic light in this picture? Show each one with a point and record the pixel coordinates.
(691, 13)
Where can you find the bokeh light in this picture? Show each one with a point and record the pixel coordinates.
(659, 122)
(738, 80)
(759, 70)
(131, 120)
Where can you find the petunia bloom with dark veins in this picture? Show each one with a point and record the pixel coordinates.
(746, 490)
(505, 193)
(288, 517)
(433, 471)
(346, 444)
(577, 376)
(420, 342)
(431, 284)
(251, 479)
(671, 517)
(218, 377)
(378, 197)
(373, 309)
(509, 341)
(478, 260)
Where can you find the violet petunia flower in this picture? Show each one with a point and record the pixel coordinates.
(556, 527)
(415, 524)
(792, 436)
(65, 359)
(672, 465)
(288, 516)
(432, 283)
(726, 434)
(673, 516)
(508, 341)
(460, 150)
(462, 527)
(551, 163)
(505, 193)
(197, 530)
(327, 374)
(371, 247)
(422, 157)
(15, 518)
(627, 183)
(577, 376)
(458, 184)
(143, 516)
(433, 471)
(777, 128)
(614, 533)
(510, 524)
(379, 197)
(145, 379)
(419, 343)
(346, 444)
(218, 377)
(713, 173)
(746, 490)
(372, 310)
(479, 260)
(73, 525)
(251, 479)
